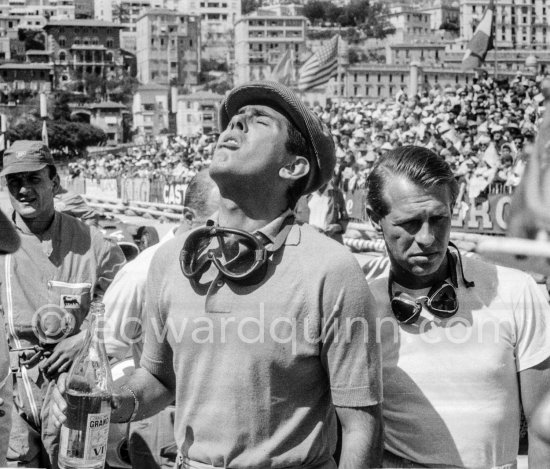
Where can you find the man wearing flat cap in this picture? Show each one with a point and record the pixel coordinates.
(61, 266)
(253, 331)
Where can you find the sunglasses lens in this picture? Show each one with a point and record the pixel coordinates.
(405, 311)
(444, 300)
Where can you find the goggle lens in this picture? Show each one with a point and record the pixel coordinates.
(443, 302)
(235, 253)
(405, 310)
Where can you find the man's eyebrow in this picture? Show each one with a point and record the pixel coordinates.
(255, 112)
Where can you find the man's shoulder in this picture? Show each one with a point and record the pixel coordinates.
(319, 248)
(483, 272)
(167, 250)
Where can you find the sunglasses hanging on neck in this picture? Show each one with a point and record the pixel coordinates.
(441, 300)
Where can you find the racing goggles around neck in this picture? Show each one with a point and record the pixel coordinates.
(237, 254)
(441, 301)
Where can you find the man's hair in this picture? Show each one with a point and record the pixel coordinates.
(296, 145)
(198, 194)
(417, 164)
(52, 171)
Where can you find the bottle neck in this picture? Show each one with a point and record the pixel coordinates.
(97, 323)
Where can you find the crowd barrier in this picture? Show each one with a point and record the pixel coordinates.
(157, 191)
(483, 215)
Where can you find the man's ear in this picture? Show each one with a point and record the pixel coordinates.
(56, 182)
(188, 214)
(374, 219)
(295, 170)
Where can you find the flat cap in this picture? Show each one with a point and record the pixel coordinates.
(26, 155)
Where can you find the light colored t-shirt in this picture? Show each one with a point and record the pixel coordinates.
(5, 393)
(253, 385)
(124, 305)
(451, 394)
(319, 208)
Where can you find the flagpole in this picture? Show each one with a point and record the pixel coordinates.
(495, 41)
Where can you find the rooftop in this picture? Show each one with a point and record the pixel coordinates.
(25, 66)
(152, 87)
(200, 95)
(88, 47)
(106, 105)
(82, 24)
(162, 11)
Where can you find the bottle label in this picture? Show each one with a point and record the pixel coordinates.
(97, 434)
(94, 446)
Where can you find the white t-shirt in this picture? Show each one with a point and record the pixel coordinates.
(451, 394)
(319, 207)
(124, 305)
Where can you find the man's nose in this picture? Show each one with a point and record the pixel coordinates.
(425, 236)
(238, 121)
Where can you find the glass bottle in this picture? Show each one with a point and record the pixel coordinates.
(89, 390)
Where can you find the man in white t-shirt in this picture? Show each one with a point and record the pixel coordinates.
(125, 297)
(462, 346)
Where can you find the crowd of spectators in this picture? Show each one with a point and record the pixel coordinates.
(481, 129)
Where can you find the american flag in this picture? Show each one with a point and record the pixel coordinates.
(320, 67)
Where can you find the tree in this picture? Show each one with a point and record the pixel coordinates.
(122, 89)
(62, 134)
(315, 11)
(61, 109)
(360, 14)
(34, 40)
(248, 6)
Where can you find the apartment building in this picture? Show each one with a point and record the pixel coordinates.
(168, 47)
(519, 24)
(83, 47)
(198, 113)
(261, 38)
(48, 9)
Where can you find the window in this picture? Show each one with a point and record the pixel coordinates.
(62, 56)
(62, 41)
(110, 43)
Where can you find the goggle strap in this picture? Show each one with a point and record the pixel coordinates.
(467, 283)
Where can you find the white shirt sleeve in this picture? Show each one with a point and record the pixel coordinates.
(532, 320)
(124, 309)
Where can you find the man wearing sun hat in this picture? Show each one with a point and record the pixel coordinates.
(243, 398)
(62, 265)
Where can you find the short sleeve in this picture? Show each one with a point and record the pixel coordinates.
(123, 310)
(350, 351)
(532, 318)
(157, 352)
(111, 260)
